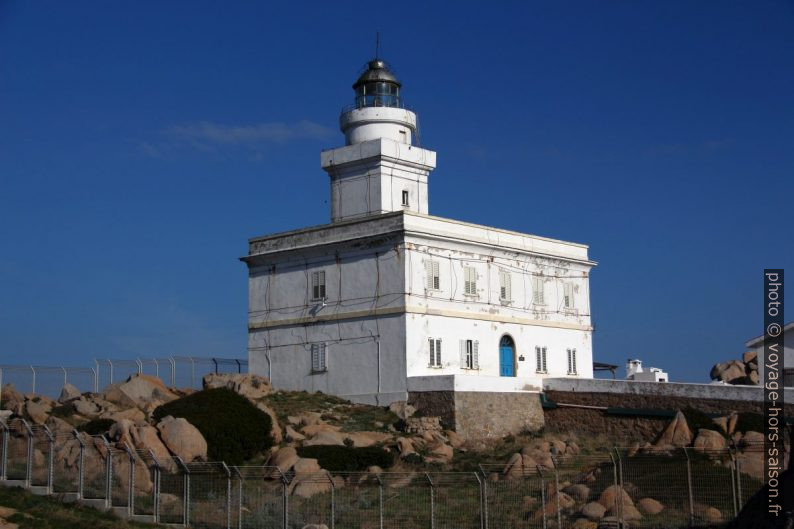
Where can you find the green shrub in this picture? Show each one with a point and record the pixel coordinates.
(235, 429)
(347, 458)
(750, 422)
(96, 426)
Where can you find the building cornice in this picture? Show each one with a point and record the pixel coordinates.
(414, 309)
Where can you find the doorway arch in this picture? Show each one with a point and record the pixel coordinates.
(507, 356)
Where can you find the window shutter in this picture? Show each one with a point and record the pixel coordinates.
(436, 276)
(323, 357)
(475, 355)
(322, 293)
(573, 360)
(568, 293)
(315, 357)
(538, 365)
(537, 290)
(431, 343)
(570, 366)
(438, 352)
(430, 265)
(463, 353)
(507, 290)
(544, 359)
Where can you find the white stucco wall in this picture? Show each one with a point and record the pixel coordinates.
(369, 178)
(376, 295)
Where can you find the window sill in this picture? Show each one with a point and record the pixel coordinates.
(435, 367)
(506, 301)
(319, 372)
(541, 372)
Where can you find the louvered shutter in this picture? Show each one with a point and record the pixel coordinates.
(463, 353)
(506, 286)
(570, 360)
(573, 360)
(436, 276)
(323, 357)
(537, 293)
(568, 293)
(315, 286)
(315, 357)
(432, 351)
(429, 274)
(538, 364)
(543, 351)
(438, 353)
(475, 355)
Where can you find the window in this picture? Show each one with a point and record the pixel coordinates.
(435, 352)
(431, 268)
(537, 290)
(567, 295)
(505, 288)
(469, 354)
(469, 281)
(319, 360)
(540, 358)
(318, 285)
(405, 198)
(571, 361)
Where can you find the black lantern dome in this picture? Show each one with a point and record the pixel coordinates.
(377, 86)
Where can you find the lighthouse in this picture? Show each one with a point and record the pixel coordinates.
(379, 170)
(388, 303)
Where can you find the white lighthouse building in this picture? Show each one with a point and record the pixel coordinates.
(387, 302)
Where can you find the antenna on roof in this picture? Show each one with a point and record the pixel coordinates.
(377, 43)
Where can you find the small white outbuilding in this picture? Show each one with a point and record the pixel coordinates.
(635, 371)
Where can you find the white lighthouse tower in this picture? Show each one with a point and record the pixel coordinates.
(379, 170)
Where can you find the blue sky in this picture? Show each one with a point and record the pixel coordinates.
(142, 143)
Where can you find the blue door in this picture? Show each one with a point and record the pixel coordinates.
(507, 357)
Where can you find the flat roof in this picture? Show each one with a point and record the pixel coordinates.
(418, 224)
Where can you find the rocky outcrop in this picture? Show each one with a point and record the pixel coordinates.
(182, 439)
(676, 434)
(252, 387)
(744, 371)
(650, 506)
(139, 391)
(68, 393)
(709, 441)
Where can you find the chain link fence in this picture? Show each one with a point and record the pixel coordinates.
(650, 488)
(176, 371)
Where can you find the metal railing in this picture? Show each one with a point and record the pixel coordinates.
(652, 489)
(181, 371)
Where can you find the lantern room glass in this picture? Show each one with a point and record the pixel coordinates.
(378, 94)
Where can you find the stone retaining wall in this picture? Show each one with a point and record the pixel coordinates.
(477, 415)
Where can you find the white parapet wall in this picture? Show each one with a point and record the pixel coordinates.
(668, 389)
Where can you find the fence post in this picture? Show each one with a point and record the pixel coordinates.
(108, 474)
(484, 483)
(34, 379)
(80, 465)
(173, 370)
(155, 488)
(228, 496)
(689, 488)
(380, 500)
(239, 498)
(432, 501)
(615, 481)
(131, 480)
(482, 502)
(739, 481)
(50, 449)
(4, 460)
(285, 499)
(29, 462)
(734, 479)
(557, 490)
(333, 498)
(542, 493)
(185, 490)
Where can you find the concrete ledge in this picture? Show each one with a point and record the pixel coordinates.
(662, 389)
(474, 383)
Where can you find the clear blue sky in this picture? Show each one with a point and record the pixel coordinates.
(142, 143)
